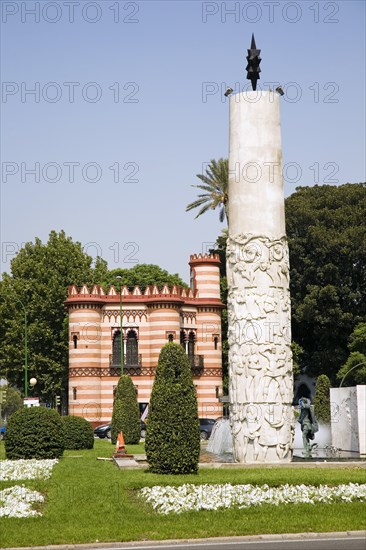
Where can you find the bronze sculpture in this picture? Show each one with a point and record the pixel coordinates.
(309, 424)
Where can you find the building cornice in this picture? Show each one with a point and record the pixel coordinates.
(176, 297)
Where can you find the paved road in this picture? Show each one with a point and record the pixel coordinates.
(338, 543)
(354, 540)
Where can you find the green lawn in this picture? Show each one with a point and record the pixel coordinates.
(89, 500)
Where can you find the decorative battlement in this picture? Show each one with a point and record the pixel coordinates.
(150, 294)
(195, 259)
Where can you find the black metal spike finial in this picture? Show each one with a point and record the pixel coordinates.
(254, 60)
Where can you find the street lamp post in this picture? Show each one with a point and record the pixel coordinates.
(120, 318)
(25, 348)
(25, 352)
(351, 369)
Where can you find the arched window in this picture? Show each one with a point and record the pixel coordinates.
(170, 337)
(132, 352)
(216, 341)
(191, 344)
(75, 340)
(116, 348)
(183, 339)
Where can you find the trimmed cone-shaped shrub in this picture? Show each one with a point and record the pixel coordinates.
(34, 432)
(173, 435)
(322, 399)
(126, 413)
(78, 433)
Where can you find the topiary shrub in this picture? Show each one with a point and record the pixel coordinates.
(126, 412)
(34, 432)
(173, 435)
(322, 399)
(78, 433)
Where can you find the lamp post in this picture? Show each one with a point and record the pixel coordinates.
(120, 318)
(351, 369)
(25, 347)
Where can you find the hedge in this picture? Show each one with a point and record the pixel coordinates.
(173, 434)
(78, 433)
(34, 432)
(126, 413)
(322, 399)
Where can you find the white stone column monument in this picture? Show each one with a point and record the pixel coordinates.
(259, 333)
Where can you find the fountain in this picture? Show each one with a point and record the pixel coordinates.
(220, 446)
(221, 439)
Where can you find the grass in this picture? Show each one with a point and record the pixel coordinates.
(90, 500)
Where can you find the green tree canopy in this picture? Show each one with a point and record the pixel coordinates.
(215, 184)
(327, 240)
(173, 435)
(353, 371)
(143, 275)
(13, 401)
(40, 275)
(322, 398)
(126, 414)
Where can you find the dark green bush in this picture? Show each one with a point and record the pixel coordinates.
(322, 398)
(78, 433)
(126, 413)
(173, 436)
(34, 432)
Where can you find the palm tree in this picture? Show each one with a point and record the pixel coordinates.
(215, 183)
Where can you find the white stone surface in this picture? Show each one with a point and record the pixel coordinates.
(255, 164)
(259, 319)
(348, 418)
(361, 411)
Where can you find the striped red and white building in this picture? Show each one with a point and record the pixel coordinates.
(150, 319)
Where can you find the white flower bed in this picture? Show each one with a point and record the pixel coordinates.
(15, 470)
(212, 497)
(16, 502)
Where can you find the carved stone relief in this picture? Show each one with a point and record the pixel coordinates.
(260, 357)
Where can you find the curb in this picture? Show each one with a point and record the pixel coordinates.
(193, 542)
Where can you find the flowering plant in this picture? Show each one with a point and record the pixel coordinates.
(11, 470)
(212, 497)
(16, 502)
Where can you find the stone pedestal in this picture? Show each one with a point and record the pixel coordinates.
(259, 333)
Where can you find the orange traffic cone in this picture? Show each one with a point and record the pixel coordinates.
(120, 451)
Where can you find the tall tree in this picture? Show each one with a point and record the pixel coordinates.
(143, 275)
(215, 184)
(126, 414)
(37, 285)
(173, 435)
(327, 240)
(353, 371)
(13, 401)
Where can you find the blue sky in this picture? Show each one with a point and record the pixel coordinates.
(138, 86)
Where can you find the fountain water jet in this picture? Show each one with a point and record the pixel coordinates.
(221, 439)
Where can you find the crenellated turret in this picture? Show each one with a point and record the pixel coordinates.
(205, 275)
